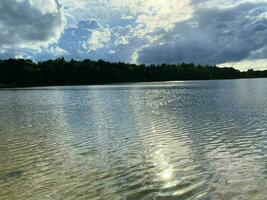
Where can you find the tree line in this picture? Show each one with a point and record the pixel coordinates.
(24, 72)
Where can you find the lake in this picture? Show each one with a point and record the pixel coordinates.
(162, 140)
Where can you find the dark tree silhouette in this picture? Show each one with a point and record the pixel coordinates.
(21, 72)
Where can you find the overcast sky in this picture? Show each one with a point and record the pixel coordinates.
(225, 32)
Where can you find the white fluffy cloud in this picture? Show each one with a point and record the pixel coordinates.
(155, 31)
(215, 34)
(151, 14)
(259, 64)
(98, 39)
(30, 24)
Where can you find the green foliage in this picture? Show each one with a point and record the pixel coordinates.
(20, 72)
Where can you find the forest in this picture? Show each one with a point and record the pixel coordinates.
(24, 72)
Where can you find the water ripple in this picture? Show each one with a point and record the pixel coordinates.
(175, 140)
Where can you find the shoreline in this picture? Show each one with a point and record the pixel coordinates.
(17, 86)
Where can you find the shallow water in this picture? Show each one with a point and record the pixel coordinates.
(170, 140)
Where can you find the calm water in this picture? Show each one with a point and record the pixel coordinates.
(173, 140)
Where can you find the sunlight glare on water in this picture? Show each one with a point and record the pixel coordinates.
(169, 140)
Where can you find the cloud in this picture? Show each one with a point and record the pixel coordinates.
(150, 14)
(151, 31)
(73, 38)
(46, 6)
(88, 39)
(56, 51)
(259, 64)
(213, 35)
(98, 39)
(30, 24)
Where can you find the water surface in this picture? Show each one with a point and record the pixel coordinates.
(169, 140)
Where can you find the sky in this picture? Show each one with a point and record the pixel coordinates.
(221, 32)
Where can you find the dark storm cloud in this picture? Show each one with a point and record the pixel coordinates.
(213, 36)
(23, 24)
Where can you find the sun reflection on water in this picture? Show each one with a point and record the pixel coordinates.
(164, 170)
(167, 174)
